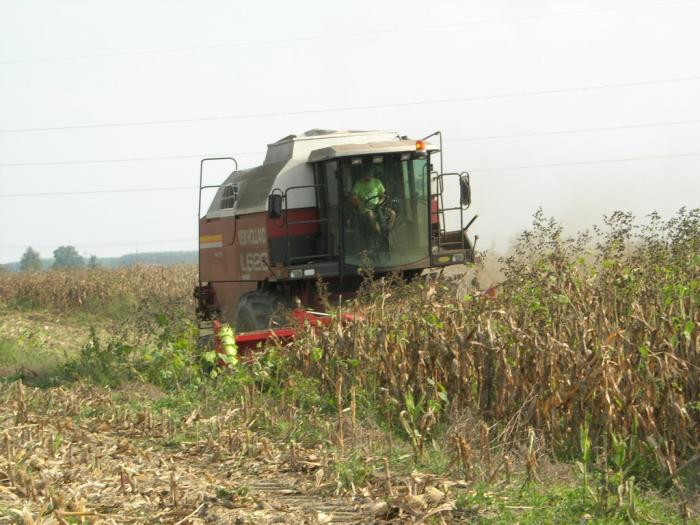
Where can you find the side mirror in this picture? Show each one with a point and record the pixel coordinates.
(465, 190)
(274, 205)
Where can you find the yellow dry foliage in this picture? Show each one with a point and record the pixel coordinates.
(71, 289)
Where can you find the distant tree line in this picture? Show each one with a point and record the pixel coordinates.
(64, 257)
(30, 261)
(67, 257)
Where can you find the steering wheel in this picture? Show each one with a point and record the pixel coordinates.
(381, 200)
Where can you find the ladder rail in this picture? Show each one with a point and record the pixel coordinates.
(199, 205)
(442, 213)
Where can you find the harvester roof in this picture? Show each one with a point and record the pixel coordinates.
(300, 146)
(348, 150)
(286, 165)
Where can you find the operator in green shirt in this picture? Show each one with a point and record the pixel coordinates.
(367, 194)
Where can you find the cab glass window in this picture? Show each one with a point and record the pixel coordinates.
(229, 196)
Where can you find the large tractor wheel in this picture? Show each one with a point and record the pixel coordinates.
(256, 310)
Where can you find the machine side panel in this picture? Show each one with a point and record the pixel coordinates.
(234, 249)
(212, 240)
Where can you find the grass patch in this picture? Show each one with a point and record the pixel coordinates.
(33, 364)
(555, 503)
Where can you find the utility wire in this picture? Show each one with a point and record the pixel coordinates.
(476, 170)
(570, 131)
(356, 108)
(97, 192)
(586, 162)
(340, 35)
(121, 159)
(465, 139)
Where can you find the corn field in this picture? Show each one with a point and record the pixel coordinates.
(582, 338)
(169, 286)
(587, 350)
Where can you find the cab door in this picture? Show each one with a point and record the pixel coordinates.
(327, 178)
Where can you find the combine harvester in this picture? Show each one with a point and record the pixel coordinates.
(324, 204)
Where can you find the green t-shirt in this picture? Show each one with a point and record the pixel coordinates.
(368, 191)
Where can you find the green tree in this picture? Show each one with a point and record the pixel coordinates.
(92, 262)
(30, 261)
(67, 257)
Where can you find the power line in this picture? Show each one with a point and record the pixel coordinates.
(121, 159)
(97, 192)
(340, 35)
(586, 162)
(357, 108)
(570, 131)
(503, 168)
(464, 139)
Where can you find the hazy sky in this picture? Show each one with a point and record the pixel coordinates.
(500, 78)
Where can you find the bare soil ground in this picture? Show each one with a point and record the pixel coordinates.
(59, 464)
(83, 454)
(88, 455)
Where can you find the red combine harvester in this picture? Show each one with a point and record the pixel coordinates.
(324, 204)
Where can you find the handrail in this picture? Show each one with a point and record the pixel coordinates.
(440, 213)
(309, 221)
(439, 135)
(199, 207)
(201, 174)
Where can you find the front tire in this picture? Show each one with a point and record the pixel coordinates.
(258, 310)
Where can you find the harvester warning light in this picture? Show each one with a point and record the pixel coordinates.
(420, 145)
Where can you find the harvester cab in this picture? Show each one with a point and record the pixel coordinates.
(325, 204)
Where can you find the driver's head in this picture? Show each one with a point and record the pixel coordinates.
(372, 173)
